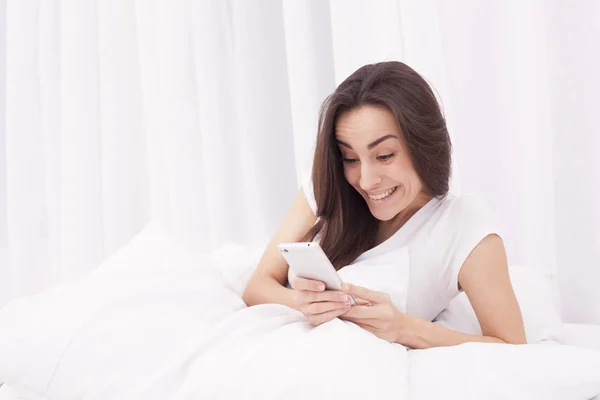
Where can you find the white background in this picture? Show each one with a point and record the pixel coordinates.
(202, 115)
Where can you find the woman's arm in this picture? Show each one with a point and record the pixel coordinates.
(267, 284)
(484, 278)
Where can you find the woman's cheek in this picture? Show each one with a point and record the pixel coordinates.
(350, 175)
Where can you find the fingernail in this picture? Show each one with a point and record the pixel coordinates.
(346, 286)
(344, 298)
(321, 287)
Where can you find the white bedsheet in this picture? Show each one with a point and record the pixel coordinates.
(148, 334)
(208, 375)
(9, 393)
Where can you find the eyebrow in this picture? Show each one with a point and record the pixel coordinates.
(372, 144)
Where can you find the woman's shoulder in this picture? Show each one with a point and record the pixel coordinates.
(460, 213)
(469, 205)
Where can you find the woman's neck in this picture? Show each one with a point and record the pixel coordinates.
(387, 228)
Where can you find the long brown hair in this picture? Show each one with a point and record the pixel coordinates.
(345, 225)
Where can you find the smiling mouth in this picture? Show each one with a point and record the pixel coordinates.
(384, 195)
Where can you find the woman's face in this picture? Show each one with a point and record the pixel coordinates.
(376, 161)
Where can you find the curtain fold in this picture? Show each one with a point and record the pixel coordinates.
(203, 115)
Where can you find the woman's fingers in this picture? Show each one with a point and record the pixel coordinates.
(366, 294)
(328, 295)
(318, 319)
(365, 312)
(362, 302)
(303, 298)
(323, 307)
(370, 323)
(310, 285)
(318, 304)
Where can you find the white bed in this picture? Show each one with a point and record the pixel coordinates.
(153, 262)
(6, 393)
(576, 335)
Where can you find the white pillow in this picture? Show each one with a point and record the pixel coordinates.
(28, 358)
(582, 335)
(237, 263)
(536, 292)
(499, 371)
(117, 329)
(11, 393)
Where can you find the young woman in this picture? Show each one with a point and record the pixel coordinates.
(380, 181)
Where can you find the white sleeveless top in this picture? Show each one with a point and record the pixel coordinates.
(419, 265)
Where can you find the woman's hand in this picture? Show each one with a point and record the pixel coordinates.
(318, 304)
(377, 313)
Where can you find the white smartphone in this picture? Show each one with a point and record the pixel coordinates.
(308, 260)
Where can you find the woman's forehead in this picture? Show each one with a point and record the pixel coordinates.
(363, 125)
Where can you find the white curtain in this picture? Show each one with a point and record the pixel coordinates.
(202, 115)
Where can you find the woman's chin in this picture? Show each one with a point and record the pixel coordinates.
(382, 215)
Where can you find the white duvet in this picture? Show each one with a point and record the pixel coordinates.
(169, 324)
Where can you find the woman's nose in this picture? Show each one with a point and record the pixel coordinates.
(369, 177)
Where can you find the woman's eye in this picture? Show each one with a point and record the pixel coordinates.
(350, 160)
(385, 157)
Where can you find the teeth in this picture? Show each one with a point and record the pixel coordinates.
(383, 195)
